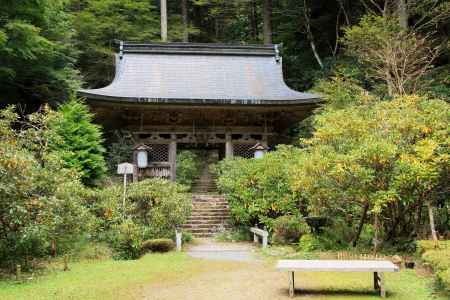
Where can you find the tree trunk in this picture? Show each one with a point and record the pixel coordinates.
(361, 224)
(402, 11)
(185, 19)
(376, 238)
(164, 20)
(267, 21)
(432, 225)
(310, 35)
(253, 21)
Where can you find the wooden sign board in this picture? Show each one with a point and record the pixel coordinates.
(125, 168)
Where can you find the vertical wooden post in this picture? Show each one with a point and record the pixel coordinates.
(382, 287)
(164, 20)
(255, 238)
(376, 283)
(228, 146)
(178, 239)
(291, 284)
(18, 272)
(66, 263)
(173, 157)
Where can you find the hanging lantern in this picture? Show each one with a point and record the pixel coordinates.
(259, 149)
(142, 156)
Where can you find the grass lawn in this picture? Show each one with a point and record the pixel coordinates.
(177, 276)
(107, 279)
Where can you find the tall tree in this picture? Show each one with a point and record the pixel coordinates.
(163, 7)
(37, 54)
(402, 12)
(267, 15)
(185, 20)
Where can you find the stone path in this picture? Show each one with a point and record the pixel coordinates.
(210, 249)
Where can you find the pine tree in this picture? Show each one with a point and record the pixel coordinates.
(79, 140)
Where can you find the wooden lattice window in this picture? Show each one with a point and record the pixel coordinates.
(159, 153)
(243, 150)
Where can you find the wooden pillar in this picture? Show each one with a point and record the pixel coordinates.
(228, 146)
(173, 157)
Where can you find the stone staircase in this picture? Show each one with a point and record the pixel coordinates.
(210, 215)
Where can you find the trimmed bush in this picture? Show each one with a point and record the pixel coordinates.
(309, 242)
(158, 245)
(288, 229)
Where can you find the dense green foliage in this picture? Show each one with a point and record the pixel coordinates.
(368, 162)
(188, 167)
(391, 158)
(438, 258)
(79, 141)
(44, 44)
(288, 229)
(40, 204)
(153, 208)
(258, 190)
(37, 52)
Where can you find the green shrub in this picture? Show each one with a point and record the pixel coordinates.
(259, 190)
(188, 167)
(95, 251)
(288, 229)
(439, 259)
(309, 242)
(41, 211)
(239, 233)
(127, 240)
(158, 245)
(158, 204)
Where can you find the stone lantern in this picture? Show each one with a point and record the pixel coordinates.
(142, 156)
(260, 150)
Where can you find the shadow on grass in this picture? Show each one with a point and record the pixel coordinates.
(352, 293)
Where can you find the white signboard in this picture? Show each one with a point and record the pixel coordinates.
(125, 168)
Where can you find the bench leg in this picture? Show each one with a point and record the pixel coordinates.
(291, 284)
(382, 287)
(255, 238)
(376, 281)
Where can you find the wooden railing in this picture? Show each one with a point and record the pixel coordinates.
(160, 170)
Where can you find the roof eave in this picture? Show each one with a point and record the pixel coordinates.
(173, 101)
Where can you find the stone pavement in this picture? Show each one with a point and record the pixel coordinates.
(210, 249)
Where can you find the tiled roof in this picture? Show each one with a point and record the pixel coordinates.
(199, 74)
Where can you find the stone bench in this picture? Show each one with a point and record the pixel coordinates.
(376, 266)
(264, 234)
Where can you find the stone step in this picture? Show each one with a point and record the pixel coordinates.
(195, 231)
(203, 220)
(207, 222)
(206, 226)
(212, 205)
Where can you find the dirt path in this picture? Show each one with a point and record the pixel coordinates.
(235, 271)
(226, 280)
